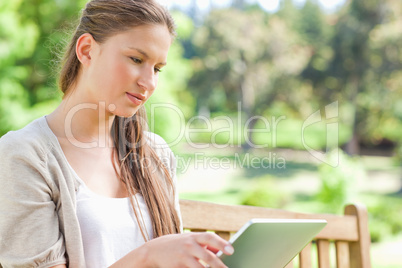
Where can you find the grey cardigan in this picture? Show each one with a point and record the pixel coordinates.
(38, 222)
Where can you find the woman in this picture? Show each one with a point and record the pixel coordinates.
(86, 186)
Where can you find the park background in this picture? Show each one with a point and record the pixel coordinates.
(242, 80)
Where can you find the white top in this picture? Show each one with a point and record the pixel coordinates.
(108, 226)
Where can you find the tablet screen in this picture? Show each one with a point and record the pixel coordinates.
(273, 243)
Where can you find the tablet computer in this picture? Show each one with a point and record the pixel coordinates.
(270, 243)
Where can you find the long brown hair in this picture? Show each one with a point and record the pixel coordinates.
(140, 169)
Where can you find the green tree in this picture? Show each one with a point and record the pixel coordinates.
(356, 69)
(245, 56)
(31, 35)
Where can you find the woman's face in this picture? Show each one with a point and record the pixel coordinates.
(124, 70)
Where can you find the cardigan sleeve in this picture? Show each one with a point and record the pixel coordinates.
(29, 225)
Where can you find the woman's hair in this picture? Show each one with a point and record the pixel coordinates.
(102, 19)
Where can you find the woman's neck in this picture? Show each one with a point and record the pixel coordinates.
(83, 123)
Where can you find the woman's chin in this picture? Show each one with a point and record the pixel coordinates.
(126, 113)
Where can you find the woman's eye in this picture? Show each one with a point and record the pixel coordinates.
(157, 70)
(135, 60)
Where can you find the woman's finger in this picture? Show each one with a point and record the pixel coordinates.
(214, 241)
(206, 256)
(191, 262)
(214, 250)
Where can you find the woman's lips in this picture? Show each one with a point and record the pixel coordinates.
(137, 99)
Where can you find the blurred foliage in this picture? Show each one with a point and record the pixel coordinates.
(339, 183)
(356, 67)
(263, 193)
(31, 39)
(383, 221)
(246, 57)
(304, 59)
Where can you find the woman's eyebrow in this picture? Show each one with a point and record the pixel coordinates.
(142, 52)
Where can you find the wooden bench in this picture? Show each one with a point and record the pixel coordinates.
(348, 232)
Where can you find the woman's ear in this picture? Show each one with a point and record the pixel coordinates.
(83, 48)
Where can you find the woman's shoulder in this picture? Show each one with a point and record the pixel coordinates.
(161, 147)
(32, 138)
(156, 141)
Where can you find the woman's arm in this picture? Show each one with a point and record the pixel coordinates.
(59, 266)
(29, 226)
(178, 250)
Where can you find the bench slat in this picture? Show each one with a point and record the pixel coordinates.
(360, 251)
(323, 253)
(305, 257)
(342, 254)
(231, 218)
(224, 235)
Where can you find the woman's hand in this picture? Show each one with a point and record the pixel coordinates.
(178, 250)
(186, 250)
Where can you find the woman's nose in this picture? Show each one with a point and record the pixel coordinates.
(147, 79)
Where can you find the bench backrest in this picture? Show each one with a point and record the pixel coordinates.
(348, 232)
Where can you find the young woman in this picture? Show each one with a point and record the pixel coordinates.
(87, 186)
